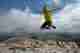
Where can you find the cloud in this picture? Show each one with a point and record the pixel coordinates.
(67, 20)
(72, 18)
(57, 2)
(16, 20)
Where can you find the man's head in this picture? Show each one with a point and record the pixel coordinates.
(45, 8)
(47, 11)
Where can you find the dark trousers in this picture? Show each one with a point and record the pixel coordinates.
(47, 24)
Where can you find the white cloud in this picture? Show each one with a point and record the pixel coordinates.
(57, 2)
(17, 19)
(72, 18)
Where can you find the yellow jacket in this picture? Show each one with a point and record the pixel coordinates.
(47, 14)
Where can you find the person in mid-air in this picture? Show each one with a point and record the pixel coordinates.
(48, 19)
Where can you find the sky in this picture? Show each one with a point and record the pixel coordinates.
(17, 15)
(34, 5)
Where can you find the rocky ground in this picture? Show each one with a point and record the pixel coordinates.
(34, 45)
(38, 50)
(39, 46)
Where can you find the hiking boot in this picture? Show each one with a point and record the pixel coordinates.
(54, 27)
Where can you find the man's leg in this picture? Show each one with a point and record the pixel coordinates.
(43, 25)
(50, 25)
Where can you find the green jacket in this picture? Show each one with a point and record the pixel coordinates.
(47, 14)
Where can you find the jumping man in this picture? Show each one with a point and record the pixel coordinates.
(48, 19)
